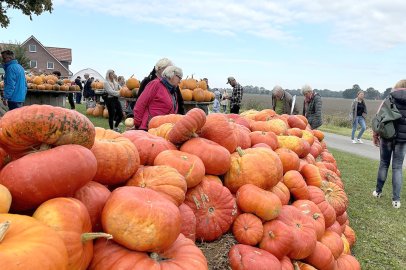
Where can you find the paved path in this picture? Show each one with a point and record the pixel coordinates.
(343, 143)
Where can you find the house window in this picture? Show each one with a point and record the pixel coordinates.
(33, 48)
(50, 65)
(33, 64)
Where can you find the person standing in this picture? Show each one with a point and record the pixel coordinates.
(70, 95)
(236, 96)
(111, 86)
(393, 148)
(79, 95)
(224, 101)
(216, 102)
(282, 101)
(88, 92)
(15, 84)
(312, 107)
(358, 114)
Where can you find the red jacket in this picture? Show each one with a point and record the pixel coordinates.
(154, 100)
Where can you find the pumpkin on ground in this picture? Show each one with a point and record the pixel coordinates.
(141, 219)
(321, 257)
(258, 166)
(31, 126)
(247, 257)
(187, 126)
(347, 262)
(5, 199)
(214, 207)
(26, 243)
(165, 180)
(44, 175)
(183, 254)
(117, 157)
(248, 229)
(317, 196)
(333, 241)
(350, 235)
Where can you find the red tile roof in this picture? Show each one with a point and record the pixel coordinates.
(62, 54)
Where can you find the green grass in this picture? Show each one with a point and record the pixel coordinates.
(380, 229)
(345, 131)
(97, 121)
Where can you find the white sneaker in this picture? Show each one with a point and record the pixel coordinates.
(354, 141)
(376, 194)
(359, 141)
(396, 204)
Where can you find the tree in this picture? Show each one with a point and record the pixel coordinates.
(371, 93)
(19, 53)
(27, 7)
(386, 93)
(351, 93)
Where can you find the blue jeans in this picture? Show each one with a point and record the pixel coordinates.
(398, 149)
(361, 121)
(14, 105)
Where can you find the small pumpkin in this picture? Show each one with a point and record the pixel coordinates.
(296, 185)
(282, 191)
(248, 229)
(311, 174)
(268, 138)
(277, 239)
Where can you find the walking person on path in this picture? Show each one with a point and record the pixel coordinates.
(358, 114)
(393, 148)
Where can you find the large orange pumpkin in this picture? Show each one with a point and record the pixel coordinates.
(247, 257)
(268, 138)
(296, 185)
(132, 83)
(48, 174)
(248, 229)
(289, 159)
(263, 203)
(141, 219)
(117, 157)
(26, 243)
(214, 207)
(187, 126)
(317, 196)
(188, 223)
(296, 122)
(259, 166)
(310, 209)
(216, 158)
(277, 239)
(165, 180)
(333, 241)
(183, 254)
(188, 165)
(158, 120)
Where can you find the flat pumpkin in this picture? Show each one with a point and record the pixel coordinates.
(44, 175)
(26, 243)
(31, 126)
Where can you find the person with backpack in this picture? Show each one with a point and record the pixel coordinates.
(357, 115)
(394, 147)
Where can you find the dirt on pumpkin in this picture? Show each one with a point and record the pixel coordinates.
(217, 252)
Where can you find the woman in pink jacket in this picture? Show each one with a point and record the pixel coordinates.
(158, 98)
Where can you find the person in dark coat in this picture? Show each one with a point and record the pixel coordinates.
(312, 107)
(79, 95)
(282, 101)
(88, 92)
(157, 73)
(357, 115)
(393, 148)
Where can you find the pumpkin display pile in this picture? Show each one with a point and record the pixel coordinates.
(98, 111)
(130, 89)
(194, 90)
(73, 196)
(48, 83)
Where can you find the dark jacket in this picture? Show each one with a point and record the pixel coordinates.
(151, 77)
(15, 85)
(354, 106)
(313, 111)
(287, 103)
(87, 89)
(79, 82)
(399, 98)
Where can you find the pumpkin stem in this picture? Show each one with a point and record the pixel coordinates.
(91, 236)
(296, 266)
(3, 229)
(240, 151)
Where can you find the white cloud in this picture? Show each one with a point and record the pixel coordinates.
(376, 24)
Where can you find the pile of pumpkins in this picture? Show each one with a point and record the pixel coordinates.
(50, 83)
(140, 200)
(97, 85)
(98, 111)
(193, 90)
(130, 90)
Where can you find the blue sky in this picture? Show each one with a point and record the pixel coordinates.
(262, 43)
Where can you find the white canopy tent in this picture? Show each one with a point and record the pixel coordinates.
(92, 73)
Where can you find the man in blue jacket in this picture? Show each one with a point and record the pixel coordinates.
(15, 85)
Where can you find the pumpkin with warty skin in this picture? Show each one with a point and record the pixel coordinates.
(216, 158)
(188, 222)
(5, 199)
(243, 257)
(159, 120)
(30, 126)
(183, 254)
(190, 166)
(333, 241)
(162, 130)
(187, 126)
(321, 258)
(282, 192)
(26, 243)
(248, 229)
(148, 145)
(296, 185)
(268, 138)
(44, 175)
(310, 209)
(276, 239)
(165, 180)
(258, 166)
(117, 157)
(335, 196)
(316, 195)
(94, 196)
(141, 219)
(70, 219)
(290, 160)
(262, 203)
(302, 229)
(214, 207)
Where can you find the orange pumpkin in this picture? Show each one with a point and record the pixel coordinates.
(247, 257)
(311, 175)
(165, 180)
(290, 160)
(317, 196)
(295, 132)
(350, 235)
(132, 83)
(198, 95)
(5, 199)
(187, 126)
(347, 262)
(268, 138)
(248, 229)
(296, 185)
(335, 196)
(188, 222)
(189, 84)
(187, 94)
(333, 241)
(141, 219)
(161, 131)
(321, 258)
(310, 209)
(277, 239)
(159, 120)
(296, 122)
(265, 115)
(282, 192)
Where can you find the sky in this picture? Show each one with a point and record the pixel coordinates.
(326, 44)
